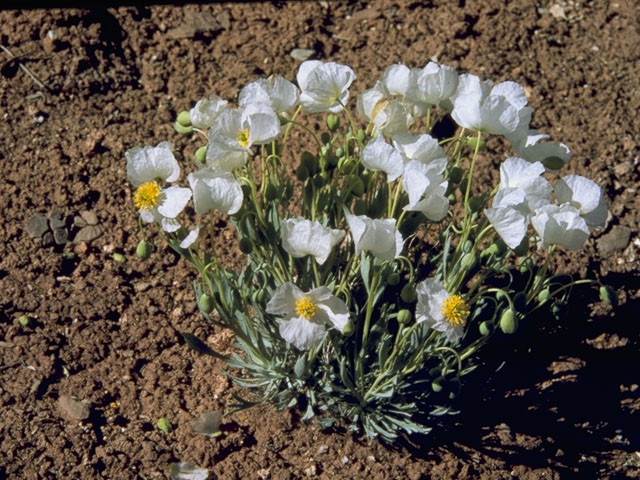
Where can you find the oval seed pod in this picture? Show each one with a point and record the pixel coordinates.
(408, 293)
(455, 175)
(484, 328)
(205, 303)
(184, 119)
(143, 250)
(333, 122)
(508, 322)
(182, 130)
(404, 316)
(246, 246)
(201, 154)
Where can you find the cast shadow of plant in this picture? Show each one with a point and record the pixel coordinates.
(564, 397)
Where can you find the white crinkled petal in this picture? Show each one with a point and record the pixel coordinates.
(146, 216)
(302, 237)
(332, 311)
(173, 200)
(430, 295)
(169, 224)
(325, 87)
(517, 172)
(393, 118)
(367, 103)
(284, 300)
(206, 111)
(509, 222)
(215, 189)
(149, 163)
(396, 79)
(582, 193)
(560, 225)
(284, 94)
(304, 70)
(498, 116)
(512, 91)
(302, 333)
(378, 155)
(262, 122)
(377, 236)
(597, 217)
(254, 92)
(191, 238)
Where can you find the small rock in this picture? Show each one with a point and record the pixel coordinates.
(37, 225)
(73, 409)
(81, 248)
(87, 234)
(617, 239)
(344, 460)
(371, 459)
(366, 14)
(47, 239)
(311, 471)
(224, 18)
(301, 54)
(60, 236)
(201, 22)
(79, 222)
(90, 217)
(622, 168)
(557, 11)
(207, 424)
(141, 286)
(322, 449)
(56, 220)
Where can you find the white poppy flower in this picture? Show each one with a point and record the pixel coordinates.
(233, 134)
(206, 111)
(378, 155)
(215, 189)
(586, 196)
(191, 238)
(325, 86)
(396, 79)
(277, 92)
(433, 85)
(302, 237)
(151, 163)
(481, 106)
(144, 167)
(379, 237)
(560, 225)
(440, 310)
(426, 188)
(510, 223)
(305, 315)
(390, 117)
(423, 148)
(532, 148)
(518, 173)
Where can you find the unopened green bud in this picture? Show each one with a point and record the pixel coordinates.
(455, 174)
(468, 261)
(349, 328)
(143, 250)
(508, 322)
(492, 249)
(472, 143)
(164, 425)
(333, 122)
(484, 328)
(332, 160)
(437, 384)
(205, 303)
(302, 173)
(394, 279)
(361, 136)
(271, 192)
(452, 198)
(408, 293)
(288, 190)
(435, 372)
(201, 154)
(24, 320)
(339, 152)
(310, 161)
(182, 130)
(543, 296)
(526, 265)
(318, 180)
(476, 204)
(607, 295)
(118, 257)
(463, 185)
(553, 163)
(404, 316)
(360, 207)
(467, 246)
(184, 119)
(325, 138)
(246, 246)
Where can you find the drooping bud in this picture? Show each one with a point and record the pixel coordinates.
(394, 279)
(246, 246)
(455, 174)
(310, 161)
(143, 250)
(437, 384)
(361, 136)
(508, 322)
(349, 328)
(408, 293)
(333, 122)
(201, 154)
(472, 143)
(553, 163)
(182, 130)
(476, 204)
(468, 261)
(543, 296)
(205, 303)
(302, 173)
(484, 328)
(404, 316)
(184, 119)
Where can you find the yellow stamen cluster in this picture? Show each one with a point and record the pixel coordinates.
(243, 137)
(455, 310)
(305, 308)
(147, 196)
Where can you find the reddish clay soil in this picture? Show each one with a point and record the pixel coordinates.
(564, 405)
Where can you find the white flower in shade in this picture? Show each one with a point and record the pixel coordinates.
(481, 106)
(379, 237)
(145, 166)
(206, 111)
(325, 86)
(532, 147)
(277, 92)
(433, 85)
(422, 148)
(560, 225)
(390, 117)
(440, 310)
(378, 155)
(426, 188)
(234, 132)
(586, 196)
(191, 238)
(302, 237)
(397, 79)
(215, 190)
(305, 316)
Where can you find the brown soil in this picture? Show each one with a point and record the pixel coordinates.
(565, 404)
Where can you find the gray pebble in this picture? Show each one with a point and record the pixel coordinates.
(47, 239)
(60, 236)
(90, 217)
(87, 234)
(617, 239)
(301, 54)
(36, 225)
(73, 409)
(56, 220)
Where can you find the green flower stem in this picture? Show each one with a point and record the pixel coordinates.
(351, 121)
(427, 121)
(396, 196)
(290, 124)
(467, 193)
(540, 276)
(308, 130)
(562, 289)
(316, 275)
(202, 132)
(365, 329)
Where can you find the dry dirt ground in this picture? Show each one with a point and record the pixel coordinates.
(565, 404)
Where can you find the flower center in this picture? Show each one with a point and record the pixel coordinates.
(305, 308)
(243, 137)
(455, 310)
(147, 196)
